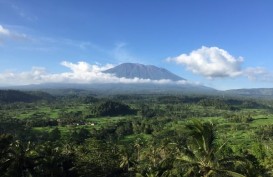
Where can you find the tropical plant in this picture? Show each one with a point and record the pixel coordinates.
(20, 159)
(201, 156)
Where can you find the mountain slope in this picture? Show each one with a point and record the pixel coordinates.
(132, 70)
(118, 88)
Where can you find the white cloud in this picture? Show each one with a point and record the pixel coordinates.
(211, 62)
(30, 77)
(84, 67)
(4, 31)
(81, 72)
(8, 34)
(258, 74)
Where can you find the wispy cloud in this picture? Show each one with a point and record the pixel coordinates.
(258, 74)
(80, 72)
(4, 34)
(7, 34)
(122, 54)
(18, 9)
(4, 31)
(32, 41)
(82, 45)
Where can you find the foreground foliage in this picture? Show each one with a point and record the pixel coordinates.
(198, 155)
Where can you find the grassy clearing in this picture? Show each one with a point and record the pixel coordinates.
(262, 120)
(99, 123)
(133, 138)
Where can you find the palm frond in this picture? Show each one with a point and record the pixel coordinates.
(233, 174)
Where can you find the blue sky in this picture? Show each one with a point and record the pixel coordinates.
(223, 44)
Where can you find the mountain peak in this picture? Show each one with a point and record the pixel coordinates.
(133, 70)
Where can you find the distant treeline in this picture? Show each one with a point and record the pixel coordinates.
(14, 96)
(11, 96)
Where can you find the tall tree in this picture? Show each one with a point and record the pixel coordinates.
(20, 159)
(202, 156)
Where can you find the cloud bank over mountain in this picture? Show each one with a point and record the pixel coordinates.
(81, 72)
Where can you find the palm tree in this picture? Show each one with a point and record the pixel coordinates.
(5, 141)
(20, 159)
(202, 156)
(51, 160)
(127, 160)
(138, 144)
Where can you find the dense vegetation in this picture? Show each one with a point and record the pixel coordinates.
(134, 135)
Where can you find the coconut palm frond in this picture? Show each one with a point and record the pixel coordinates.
(233, 174)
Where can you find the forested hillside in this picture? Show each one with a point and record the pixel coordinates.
(11, 96)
